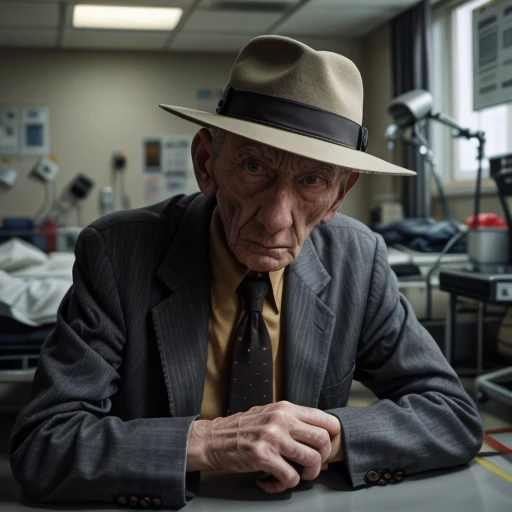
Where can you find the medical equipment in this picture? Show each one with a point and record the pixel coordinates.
(8, 177)
(413, 107)
(106, 200)
(119, 167)
(76, 191)
(46, 170)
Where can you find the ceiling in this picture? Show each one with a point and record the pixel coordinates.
(206, 25)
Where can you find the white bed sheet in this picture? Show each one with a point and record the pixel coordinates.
(32, 283)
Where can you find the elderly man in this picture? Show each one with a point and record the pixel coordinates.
(222, 331)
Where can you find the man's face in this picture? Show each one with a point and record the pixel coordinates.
(270, 200)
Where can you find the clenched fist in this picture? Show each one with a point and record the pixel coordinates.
(266, 438)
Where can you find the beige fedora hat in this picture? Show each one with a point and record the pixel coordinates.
(289, 96)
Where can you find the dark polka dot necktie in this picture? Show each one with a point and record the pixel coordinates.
(252, 373)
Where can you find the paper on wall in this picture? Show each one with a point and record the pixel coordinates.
(168, 167)
(9, 131)
(492, 54)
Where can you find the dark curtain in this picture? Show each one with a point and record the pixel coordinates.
(411, 34)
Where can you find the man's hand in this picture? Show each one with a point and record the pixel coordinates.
(263, 439)
(336, 449)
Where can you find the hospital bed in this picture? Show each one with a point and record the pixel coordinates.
(32, 285)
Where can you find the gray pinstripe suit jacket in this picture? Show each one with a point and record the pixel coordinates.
(121, 377)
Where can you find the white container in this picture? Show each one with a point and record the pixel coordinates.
(488, 245)
(66, 237)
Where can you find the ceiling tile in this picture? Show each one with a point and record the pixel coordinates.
(327, 44)
(113, 40)
(145, 3)
(230, 21)
(334, 22)
(29, 14)
(214, 43)
(391, 4)
(39, 38)
(246, 3)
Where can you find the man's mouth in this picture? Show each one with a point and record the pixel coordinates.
(268, 247)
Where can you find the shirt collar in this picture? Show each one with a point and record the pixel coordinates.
(228, 272)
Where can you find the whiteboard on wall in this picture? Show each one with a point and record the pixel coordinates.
(492, 54)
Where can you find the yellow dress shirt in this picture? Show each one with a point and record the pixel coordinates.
(227, 309)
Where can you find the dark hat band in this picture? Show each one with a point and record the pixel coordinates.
(293, 116)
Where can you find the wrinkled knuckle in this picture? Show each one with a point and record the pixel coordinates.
(278, 416)
(270, 431)
(312, 459)
(259, 451)
(316, 437)
(324, 439)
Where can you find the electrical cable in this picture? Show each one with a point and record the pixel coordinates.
(453, 240)
(49, 195)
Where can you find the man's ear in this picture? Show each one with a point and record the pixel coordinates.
(349, 183)
(202, 158)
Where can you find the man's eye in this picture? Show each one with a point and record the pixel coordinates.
(253, 167)
(312, 180)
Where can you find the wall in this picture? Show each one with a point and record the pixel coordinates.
(102, 102)
(463, 206)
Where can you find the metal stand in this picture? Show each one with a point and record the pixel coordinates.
(449, 350)
(449, 337)
(480, 338)
(489, 386)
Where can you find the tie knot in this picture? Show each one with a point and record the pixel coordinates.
(253, 289)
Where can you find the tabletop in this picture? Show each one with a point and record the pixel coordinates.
(472, 488)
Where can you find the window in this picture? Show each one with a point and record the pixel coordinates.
(452, 88)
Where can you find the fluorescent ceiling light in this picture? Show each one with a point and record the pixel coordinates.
(126, 18)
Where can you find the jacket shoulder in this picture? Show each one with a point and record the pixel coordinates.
(345, 241)
(162, 213)
(348, 228)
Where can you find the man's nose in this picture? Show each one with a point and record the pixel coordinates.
(276, 211)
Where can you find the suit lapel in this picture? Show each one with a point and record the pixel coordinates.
(308, 328)
(181, 320)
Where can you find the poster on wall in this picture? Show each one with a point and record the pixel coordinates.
(9, 131)
(151, 189)
(167, 167)
(492, 54)
(35, 131)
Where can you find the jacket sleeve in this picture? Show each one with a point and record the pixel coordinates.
(423, 419)
(65, 446)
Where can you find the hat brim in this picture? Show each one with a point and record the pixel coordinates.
(302, 145)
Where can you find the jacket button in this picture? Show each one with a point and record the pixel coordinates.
(157, 502)
(133, 501)
(372, 476)
(145, 502)
(399, 475)
(121, 500)
(387, 475)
